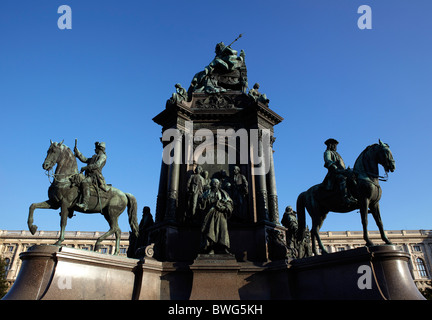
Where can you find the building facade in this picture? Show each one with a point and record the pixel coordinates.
(418, 243)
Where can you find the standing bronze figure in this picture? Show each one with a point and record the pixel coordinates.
(217, 207)
(239, 193)
(364, 187)
(195, 187)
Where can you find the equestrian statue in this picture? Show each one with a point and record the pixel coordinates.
(72, 191)
(344, 190)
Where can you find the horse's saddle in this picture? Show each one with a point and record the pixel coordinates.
(95, 191)
(326, 190)
(324, 193)
(99, 192)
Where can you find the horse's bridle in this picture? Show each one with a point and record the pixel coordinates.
(374, 175)
(54, 176)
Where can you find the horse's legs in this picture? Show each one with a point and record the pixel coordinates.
(63, 221)
(102, 238)
(114, 228)
(316, 226)
(375, 210)
(38, 205)
(114, 225)
(364, 206)
(320, 244)
(313, 236)
(118, 237)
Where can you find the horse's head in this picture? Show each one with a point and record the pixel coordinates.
(53, 154)
(385, 157)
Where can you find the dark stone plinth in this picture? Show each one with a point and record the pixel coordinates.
(61, 273)
(251, 242)
(335, 276)
(158, 280)
(175, 243)
(215, 277)
(34, 278)
(51, 272)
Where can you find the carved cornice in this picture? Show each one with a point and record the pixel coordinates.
(205, 106)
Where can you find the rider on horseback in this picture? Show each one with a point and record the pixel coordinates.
(93, 172)
(337, 173)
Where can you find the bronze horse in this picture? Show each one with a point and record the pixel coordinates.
(63, 193)
(363, 184)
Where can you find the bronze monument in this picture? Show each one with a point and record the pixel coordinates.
(217, 212)
(362, 182)
(64, 193)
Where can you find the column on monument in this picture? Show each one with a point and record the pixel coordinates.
(173, 180)
(161, 197)
(261, 185)
(271, 187)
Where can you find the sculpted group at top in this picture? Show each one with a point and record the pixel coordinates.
(226, 72)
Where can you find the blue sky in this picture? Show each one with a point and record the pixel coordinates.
(107, 77)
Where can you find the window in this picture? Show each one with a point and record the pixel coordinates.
(103, 250)
(10, 248)
(421, 267)
(340, 249)
(416, 248)
(7, 265)
(123, 250)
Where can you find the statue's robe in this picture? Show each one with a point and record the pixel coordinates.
(217, 207)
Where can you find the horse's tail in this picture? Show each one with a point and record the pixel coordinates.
(301, 215)
(132, 213)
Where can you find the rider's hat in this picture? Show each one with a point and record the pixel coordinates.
(331, 141)
(100, 145)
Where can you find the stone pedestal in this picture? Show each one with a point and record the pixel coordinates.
(336, 276)
(215, 277)
(59, 273)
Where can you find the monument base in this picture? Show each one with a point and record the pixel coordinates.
(62, 273)
(51, 272)
(214, 276)
(375, 273)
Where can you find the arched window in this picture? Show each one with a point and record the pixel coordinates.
(421, 267)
